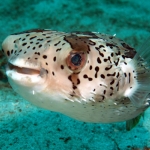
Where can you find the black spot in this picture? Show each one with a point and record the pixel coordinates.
(28, 47)
(58, 49)
(118, 75)
(111, 94)
(125, 74)
(11, 51)
(118, 53)
(103, 97)
(74, 87)
(85, 76)
(20, 51)
(24, 44)
(57, 43)
(46, 63)
(40, 39)
(111, 88)
(37, 43)
(8, 53)
(91, 43)
(90, 79)
(123, 56)
(112, 82)
(78, 81)
(101, 46)
(33, 48)
(54, 59)
(102, 76)
(116, 62)
(129, 77)
(40, 45)
(111, 74)
(112, 54)
(53, 73)
(110, 45)
(105, 60)
(25, 52)
(90, 67)
(108, 68)
(104, 91)
(69, 77)
(62, 67)
(47, 71)
(44, 56)
(31, 42)
(101, 54)
(23, 39)
(33, 37)
(48, 41)
(96, 69)
(98, 60)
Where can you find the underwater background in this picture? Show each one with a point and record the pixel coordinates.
(26, 127)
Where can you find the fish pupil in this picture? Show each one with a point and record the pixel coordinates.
(76, 59)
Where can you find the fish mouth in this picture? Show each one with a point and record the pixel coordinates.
(22, 70)
(26, 78)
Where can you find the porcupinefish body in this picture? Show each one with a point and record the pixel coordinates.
(88, 76)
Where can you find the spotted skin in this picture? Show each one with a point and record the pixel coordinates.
(93, 91)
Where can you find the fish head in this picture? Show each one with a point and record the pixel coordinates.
(44, 61)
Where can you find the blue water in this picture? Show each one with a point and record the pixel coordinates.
(26, 127)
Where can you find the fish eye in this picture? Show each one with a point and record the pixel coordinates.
(76, 60)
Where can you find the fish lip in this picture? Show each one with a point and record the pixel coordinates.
(22, 70)
(26, 77)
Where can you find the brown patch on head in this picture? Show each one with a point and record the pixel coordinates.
(79, 43)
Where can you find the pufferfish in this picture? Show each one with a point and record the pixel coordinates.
(89, 76)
